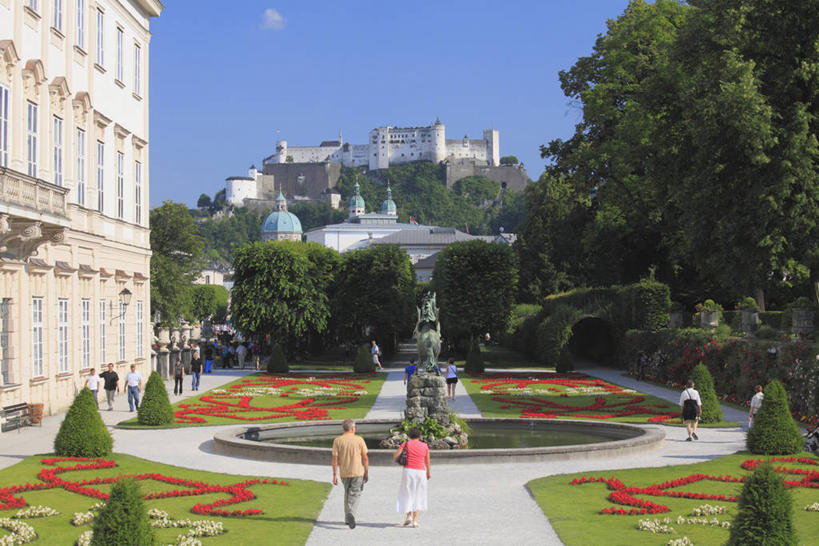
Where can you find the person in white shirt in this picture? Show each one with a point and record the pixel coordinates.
(133, 381)
(756, 403)
(691, 406)
(375, 351)
(92, 383)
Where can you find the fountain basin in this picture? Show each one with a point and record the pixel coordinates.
(608, 440)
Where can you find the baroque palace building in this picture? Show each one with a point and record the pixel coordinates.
(74, 237)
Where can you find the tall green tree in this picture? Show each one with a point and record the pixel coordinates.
(280, 288)
(176, 260)
(209, 301)
(475, 284)
(374, 291)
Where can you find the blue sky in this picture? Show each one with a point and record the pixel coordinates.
(226, 76)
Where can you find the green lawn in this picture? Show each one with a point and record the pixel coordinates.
(289, 512)
(574, 510)
(574, 396)
(264, 398)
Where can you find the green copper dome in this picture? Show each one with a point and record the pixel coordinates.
(356, 201)
(388, 206)
(281, 221)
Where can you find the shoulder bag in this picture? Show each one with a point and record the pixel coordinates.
(402, 457)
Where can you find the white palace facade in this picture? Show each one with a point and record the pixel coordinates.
(394, 145)
(74, 237)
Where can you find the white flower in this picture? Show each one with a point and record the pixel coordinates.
(82, 518)
(85, 538)
(684, 541)
(707, 510)
(20, 532)
(36, 512)
(815, 506)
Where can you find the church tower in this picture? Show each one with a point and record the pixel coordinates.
(356, 203)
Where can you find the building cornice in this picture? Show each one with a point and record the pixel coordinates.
(152, 8)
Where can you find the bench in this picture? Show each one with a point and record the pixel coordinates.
(20, 415)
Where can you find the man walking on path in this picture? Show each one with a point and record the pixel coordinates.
(111, 385)
(351, 462)
(93, 384)
(691, 409)
(196, 370)
(134, 383)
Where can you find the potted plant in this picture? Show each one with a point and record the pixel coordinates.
(709, 312)
(163, 333)
(750, 314)
(802, 313)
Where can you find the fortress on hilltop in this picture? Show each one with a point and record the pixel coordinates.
(311, 172)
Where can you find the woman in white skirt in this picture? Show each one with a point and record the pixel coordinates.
(412, 495)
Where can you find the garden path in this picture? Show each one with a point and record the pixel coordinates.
(469, 503)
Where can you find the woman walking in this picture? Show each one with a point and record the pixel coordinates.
(412, 494)
(178, 375)
(451, 378)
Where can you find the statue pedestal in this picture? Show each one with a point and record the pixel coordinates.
(426, 397)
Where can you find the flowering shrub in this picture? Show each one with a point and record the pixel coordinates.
(656, 526)
(82, 518)
(36, 512)
(50, 479)
(533, 394)
(85, 538)
(627, 496)
(684, 541)
(812, 507)
(318, 397)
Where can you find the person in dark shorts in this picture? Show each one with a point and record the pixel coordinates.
(451, 378)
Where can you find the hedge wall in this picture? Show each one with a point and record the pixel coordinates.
(737, 365)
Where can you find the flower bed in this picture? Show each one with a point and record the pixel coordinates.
(698, 501)
(574, 395)
(195, 503)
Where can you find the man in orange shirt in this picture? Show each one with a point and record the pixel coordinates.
(351, 462)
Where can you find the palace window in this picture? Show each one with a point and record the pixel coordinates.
(81, 24)
(5, 364)
(4, 126)
(140, 325)
(85, 333)
(80, 174)
(120, 54)
(57, 156)
(100, 176)
(102, 331)
(121, 331)
(137, 69)
(100, 37)
(120, 185)
(37, 367)
(138, 192)
(31, 139)
(62, 335)
(58, 15)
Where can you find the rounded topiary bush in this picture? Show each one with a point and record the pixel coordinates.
(474, 359)
(774, 431)
(363, 360)
(123, 520)
(155, 408)
(704, 383)
(82, 432)
(765, 511)
(277, 362)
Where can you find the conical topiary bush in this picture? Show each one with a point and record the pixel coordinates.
(123, 520)
(277, 362)
(774, 431)
(765, 512)
(363, 360)
(82, 432)
(704, 383)
(155, 408)
(474, 359)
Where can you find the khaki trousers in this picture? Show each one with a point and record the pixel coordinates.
(353, 487)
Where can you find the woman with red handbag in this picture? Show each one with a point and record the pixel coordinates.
(412, 494)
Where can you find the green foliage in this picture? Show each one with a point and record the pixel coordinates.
(123, 520)
(477, 189)
(774, 431)
(375, 288)
(475, 283)
(704, 383)
(430, 428)
(176, 260)
(313, 214)
(155, 408)
(363, 360)
(765, 512)
(747, 303)
(204, 201)
(554, 332)
(281, 288)
(509, 160)
(208, 300)
(474, 361)
(277, 363)
(82, 432)
(460, 421)
(224, 236)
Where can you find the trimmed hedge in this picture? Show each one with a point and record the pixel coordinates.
(474, 360)
(82, 433)
(155, 409)
(277, 362)
(123, 520)
(774, 431)
(765, 511)
(704, 383)
(364, 360)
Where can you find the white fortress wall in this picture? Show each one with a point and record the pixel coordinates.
(239, 188)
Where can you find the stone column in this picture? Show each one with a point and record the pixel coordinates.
(162, 361)
(426, 397)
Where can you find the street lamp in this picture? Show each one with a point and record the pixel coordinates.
(124, 300)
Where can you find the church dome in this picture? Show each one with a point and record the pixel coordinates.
(388, 205)
(356, 201)
(280, 221)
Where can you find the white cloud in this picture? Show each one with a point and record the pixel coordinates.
(272, 20)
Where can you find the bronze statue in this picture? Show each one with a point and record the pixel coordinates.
(428, 334)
